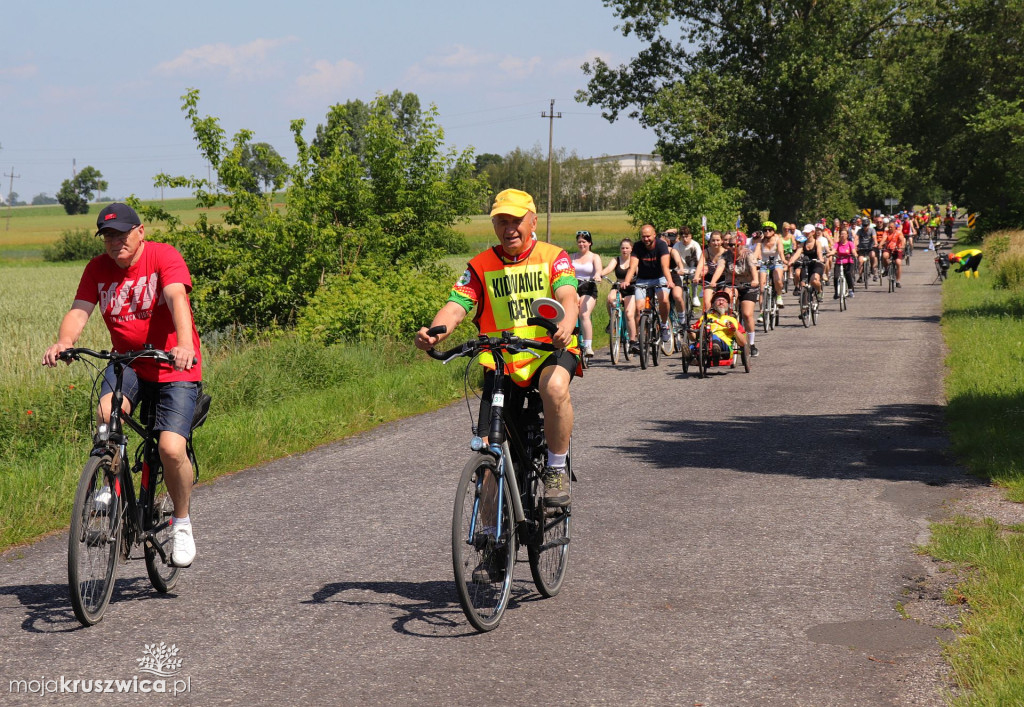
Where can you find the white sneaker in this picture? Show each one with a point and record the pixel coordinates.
(665, 335)
(183, 547)
(589, 353)
(696, 301)
(101, 500)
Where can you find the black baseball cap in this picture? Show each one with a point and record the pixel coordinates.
(117, 216)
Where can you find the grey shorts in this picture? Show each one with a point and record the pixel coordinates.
(171, 406)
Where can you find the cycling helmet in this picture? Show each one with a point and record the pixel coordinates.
(769, 224)
(808, 228)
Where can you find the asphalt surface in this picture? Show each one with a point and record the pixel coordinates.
(741, 540)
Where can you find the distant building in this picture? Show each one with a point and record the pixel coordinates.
(629, 162)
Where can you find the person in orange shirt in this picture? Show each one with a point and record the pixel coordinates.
(892, 249)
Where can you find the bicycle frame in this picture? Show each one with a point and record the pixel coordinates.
(136, 504)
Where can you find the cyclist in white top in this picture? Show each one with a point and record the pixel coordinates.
(588, 272)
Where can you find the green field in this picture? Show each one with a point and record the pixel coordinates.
(31, 228)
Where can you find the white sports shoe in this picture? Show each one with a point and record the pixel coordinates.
(183, 547)
(589, 352)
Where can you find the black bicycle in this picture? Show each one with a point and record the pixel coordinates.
(808, 297)
(499, 505)
(108, 519)
(648, 328)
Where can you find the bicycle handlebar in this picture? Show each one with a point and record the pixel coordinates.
(493, 343)
(73, 354)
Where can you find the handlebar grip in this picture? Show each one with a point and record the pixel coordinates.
(435, 330)
(545, 324)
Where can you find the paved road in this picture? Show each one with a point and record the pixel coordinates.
(742, 540)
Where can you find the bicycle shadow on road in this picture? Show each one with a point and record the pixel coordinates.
(425, 609)
(48, 606)
(891, 442)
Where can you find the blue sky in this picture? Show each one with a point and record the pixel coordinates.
(101, 83)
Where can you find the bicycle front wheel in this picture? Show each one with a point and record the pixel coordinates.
(643, 332)
(549, 559)
(481, 558)
(163, 576)
(615, 335)
(94, 540)
(805, 306)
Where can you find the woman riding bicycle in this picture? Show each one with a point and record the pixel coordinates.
(620, 266)
(846, 259)
(716, 259)
(744, 277)
(588, 271)
(810, 253)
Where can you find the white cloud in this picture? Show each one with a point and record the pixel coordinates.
(246, 61)
(329, 80)
(459, 66)
(517, 67)
(25, 71)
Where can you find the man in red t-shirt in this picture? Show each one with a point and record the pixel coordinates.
(142, 290)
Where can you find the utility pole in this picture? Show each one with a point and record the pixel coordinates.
(551, 115)
(10, 191)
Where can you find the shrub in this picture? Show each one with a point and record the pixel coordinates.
(374, 304)
(77, 244)
(1009, 272)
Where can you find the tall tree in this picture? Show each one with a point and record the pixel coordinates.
(347, 216)
(347, 122)
(764, 94)
(265, 165)
(75, 194)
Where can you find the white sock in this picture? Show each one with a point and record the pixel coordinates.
(587, 343)
(750, 337)
(181, 521)
(556, 460)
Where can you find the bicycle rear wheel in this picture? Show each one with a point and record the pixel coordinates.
(549, 559)
(643, 332)
(745, 357)
(162, 576)
(94, 541)
(482, 560)
(615, 335)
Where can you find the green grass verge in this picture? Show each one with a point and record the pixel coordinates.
(269, 401)
(984, 330)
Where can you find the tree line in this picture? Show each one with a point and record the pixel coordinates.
(822, 107)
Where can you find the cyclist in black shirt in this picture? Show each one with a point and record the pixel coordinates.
(649, 267)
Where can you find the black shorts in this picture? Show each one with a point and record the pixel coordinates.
(748, 294)
(587, 287)
(562, 358)
(865, 252)
(815, 268)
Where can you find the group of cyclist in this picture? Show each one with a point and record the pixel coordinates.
(729, 270)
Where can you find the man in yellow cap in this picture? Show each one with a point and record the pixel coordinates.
(501, 283)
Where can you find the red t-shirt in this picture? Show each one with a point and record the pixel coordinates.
(134, 309)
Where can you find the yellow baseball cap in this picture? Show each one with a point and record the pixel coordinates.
(514, 202)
